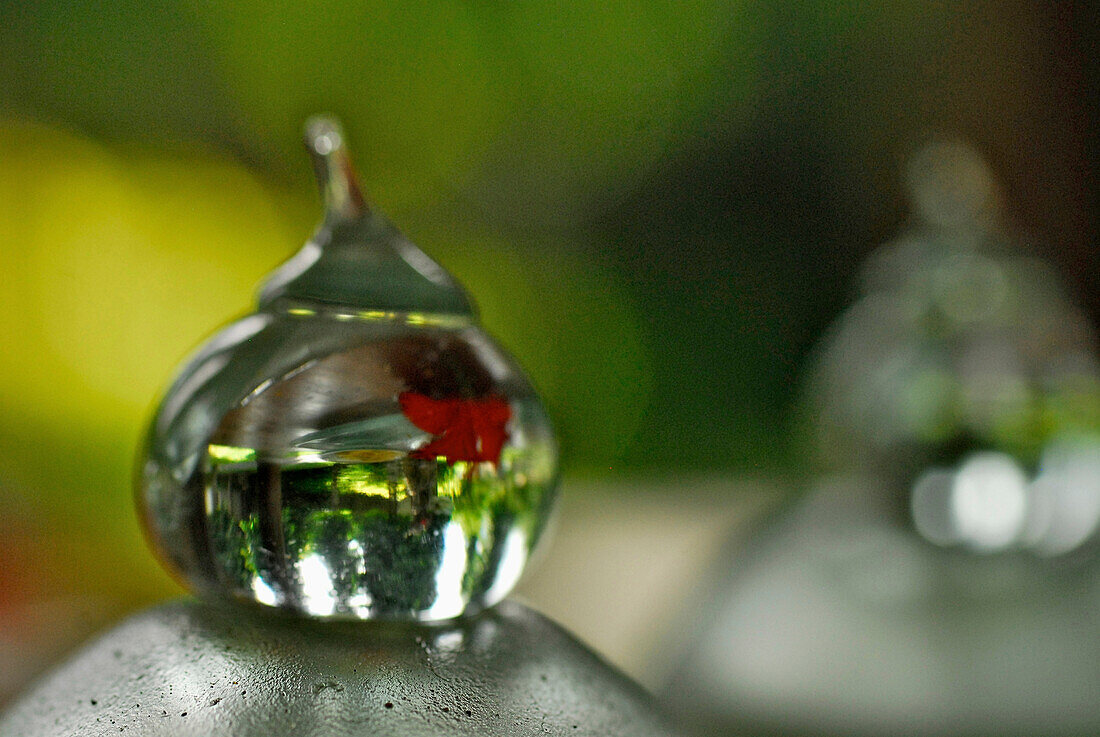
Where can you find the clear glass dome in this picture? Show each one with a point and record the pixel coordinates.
(358, 447)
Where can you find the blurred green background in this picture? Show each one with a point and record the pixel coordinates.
(658, 205)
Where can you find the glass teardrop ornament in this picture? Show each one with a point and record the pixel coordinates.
(356, 448)
(940, 577)
(959, 344)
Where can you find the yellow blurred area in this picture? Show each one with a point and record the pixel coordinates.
(115, 264)
(117, 268)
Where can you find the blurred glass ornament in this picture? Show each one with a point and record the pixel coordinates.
(958, 343)
(356, 448)
(942, 577)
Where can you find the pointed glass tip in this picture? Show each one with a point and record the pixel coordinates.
(357, 257)
(332, 166)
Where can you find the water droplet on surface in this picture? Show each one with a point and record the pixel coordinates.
(357, 448)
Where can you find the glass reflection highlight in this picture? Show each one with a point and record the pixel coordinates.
(990, 505)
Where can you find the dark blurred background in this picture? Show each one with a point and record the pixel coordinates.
(659, 206)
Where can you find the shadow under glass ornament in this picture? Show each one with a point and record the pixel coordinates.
(941, 577)
(356, 448)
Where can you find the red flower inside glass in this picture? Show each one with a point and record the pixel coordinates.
(463, 429)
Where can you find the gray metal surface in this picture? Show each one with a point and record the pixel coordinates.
(186, 668)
